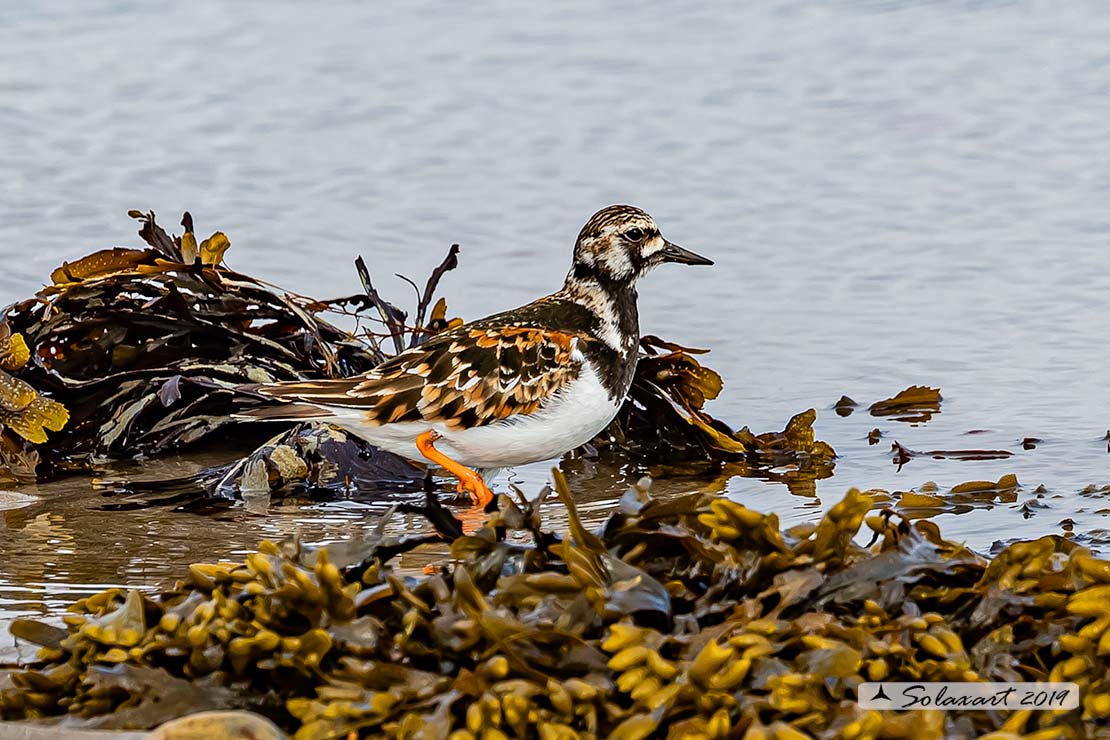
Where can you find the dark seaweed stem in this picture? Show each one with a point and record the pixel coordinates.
(155, 236)
(393, 317)
(450, 262)
(187, 221)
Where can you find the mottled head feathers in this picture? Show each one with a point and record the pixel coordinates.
(619, 244)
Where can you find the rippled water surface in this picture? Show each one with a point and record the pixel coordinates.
(895, 193)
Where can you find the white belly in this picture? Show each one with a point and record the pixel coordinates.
(568, 420)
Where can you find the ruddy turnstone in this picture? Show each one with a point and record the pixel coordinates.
(516, 387)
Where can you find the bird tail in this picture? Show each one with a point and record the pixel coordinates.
(284, 412)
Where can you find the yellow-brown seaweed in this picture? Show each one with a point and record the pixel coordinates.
(682, 617)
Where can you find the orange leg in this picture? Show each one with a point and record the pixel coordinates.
(469, 480)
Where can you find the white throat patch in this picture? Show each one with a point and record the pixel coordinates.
(586, 292)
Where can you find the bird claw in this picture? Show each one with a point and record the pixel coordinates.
(477, 488)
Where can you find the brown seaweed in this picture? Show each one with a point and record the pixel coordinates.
(915, 404)
(25, 414)
(663, 423)
(686, 616)
(928, 500)
(903, 454)
(845, 406)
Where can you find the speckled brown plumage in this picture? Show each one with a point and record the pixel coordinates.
(465, 377)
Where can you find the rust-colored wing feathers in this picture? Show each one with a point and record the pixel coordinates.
(466, 377)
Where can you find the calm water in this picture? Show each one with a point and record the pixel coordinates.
(895, 193)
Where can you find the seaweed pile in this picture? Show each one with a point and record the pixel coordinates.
(132, 352)
(146, 347)
(691, 616)
(663, 421)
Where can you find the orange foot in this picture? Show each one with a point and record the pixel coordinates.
(469, 480)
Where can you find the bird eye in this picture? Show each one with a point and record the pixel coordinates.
(634, 234)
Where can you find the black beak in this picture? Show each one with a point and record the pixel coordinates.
(674, 253)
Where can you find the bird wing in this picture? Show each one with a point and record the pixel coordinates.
(465, 377)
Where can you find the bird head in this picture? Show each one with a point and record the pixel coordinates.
(621, 244)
